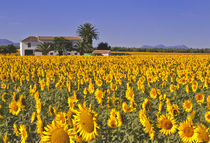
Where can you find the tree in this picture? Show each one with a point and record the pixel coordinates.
(88, 32)
(8, 49)
(62, 45)
(44, 47)
(83, 47)
(103, 46)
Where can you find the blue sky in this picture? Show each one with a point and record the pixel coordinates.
(131, 23)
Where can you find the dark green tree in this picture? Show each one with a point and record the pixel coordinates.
(83, 47)
(8, 49)
(103, 46)
(44, 47)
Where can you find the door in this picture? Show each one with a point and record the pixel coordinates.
(29, 52)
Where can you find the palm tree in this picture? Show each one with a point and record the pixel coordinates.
(88, 32)
(62, 45)
(83, 47)
(44, 47)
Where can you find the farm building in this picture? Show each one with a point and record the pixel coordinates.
(28, 46)
(102, 52)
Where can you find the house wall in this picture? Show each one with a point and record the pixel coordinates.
(24, 46)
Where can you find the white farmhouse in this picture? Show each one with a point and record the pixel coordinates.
(28, 46)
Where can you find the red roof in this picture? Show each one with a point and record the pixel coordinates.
(101, 51)
(52, 38)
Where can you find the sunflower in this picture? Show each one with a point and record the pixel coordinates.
(187, 89)
(109, 78)
(187, 132)
(167, 124)
(91, 88)
(187, 105)
(23, 132)
(38, 106)
(14, 107)
(202, 133)
(115, 118)
(175, 109)
(33, 116)
(85, 122)
(85, 91)
(60, 117)
(208, 102)
(3, 96)
(56, 133)
(99, 82)
(199, 98)
(153, 93)
(130, 94)
(15, 129)
(142, 117)
(112, 122)
(194, 86)
(5, 138)
(50, 110)
(160, 107)
(207, 116)
(146, 104)
(113, 86)
(99, 96)
(159, 92)
(149, 129)
(172, 88)
(125, 107)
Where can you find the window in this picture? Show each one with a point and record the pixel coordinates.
(51, 53)
(29, 45)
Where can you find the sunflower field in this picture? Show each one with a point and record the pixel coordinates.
(118, 99)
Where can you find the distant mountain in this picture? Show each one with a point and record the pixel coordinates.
(166, 47)
(7, 42)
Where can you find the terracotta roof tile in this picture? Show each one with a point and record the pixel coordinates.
(37, 38)
(101, 51)
(30, 39)
(52, 38)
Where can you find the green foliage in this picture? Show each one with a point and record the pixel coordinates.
(62, 45)
(103, 46)
(133, 49)
(8, 49)
(44, 48)
(88, 32)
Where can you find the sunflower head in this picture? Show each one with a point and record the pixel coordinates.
(207, 116)
(112, 122)
(60, 117)
(14, 107)
(99, 96)
(202, 133)
(146, 104)
(56, 133)
(199, 97)
(167, 124)
(153, 93)
(187, 105)
(175, 109)
(113, 86)
(125, 107)
(187, 132)
(85, 122)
